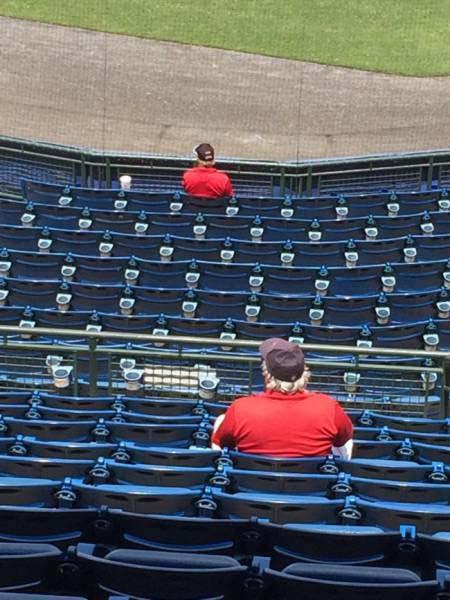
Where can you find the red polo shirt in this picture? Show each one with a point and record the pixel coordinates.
(286, 425)
(207, 182)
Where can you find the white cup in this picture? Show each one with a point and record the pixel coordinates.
(125, 182)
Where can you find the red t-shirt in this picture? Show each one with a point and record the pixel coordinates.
(286, 425)
(207, 182)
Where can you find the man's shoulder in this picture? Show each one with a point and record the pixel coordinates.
(190, 171)
(220, 174)
(320, 397)
(245, 400)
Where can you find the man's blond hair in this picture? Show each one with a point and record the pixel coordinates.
(205, 163)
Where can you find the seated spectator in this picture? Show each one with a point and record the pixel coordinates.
(204, 180)
(286, 420)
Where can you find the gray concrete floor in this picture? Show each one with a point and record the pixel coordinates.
(120, 93)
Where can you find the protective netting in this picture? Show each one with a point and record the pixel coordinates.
(123, 93)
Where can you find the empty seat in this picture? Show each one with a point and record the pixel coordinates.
(136, 498)
(277, 508)
(323, 582)
(186, 534)
(170, 575)
(333, 485)
(27, 567)
(17, 491)
(58, 526)
(43, 468)
(426, 518)
(336, 544)
(405, 423)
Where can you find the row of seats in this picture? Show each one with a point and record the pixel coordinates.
(212, 502)
(138, 411)
(140, 452)
(147, 574)
(118, 424)
(325, 207)
(78, 432)
(166, 407)
(256, 277)
(110, 472)
(202, 225)
(381, 309)
(350, 253)
(225, 577)
(284, 544)
(428, 334)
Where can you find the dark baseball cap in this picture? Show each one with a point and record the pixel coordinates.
(205, 152)
(284, 360)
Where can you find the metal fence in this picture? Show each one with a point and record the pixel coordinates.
(76, 166)
(105, 363)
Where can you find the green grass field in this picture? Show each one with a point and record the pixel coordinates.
(408, 37)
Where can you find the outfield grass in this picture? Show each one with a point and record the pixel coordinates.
(409, 37)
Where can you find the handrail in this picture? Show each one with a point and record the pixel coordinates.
(184, 339)
(93, 349)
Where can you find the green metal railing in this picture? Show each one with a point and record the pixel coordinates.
(76, 165)
(410, 388)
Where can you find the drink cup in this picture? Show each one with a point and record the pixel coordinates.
(125, 182)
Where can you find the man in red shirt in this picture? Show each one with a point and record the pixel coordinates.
(286, 420)
(204, 180)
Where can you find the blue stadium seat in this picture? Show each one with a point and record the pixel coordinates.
(173, 274)
(435, 549)
(339, 582)
(277, 508)
(329, 485)
(385, 450)
(386, 433)
(31, 265)
(157, 476)
(65, 320)
(27, 567)
(434, 247)
(339, 545)
(157, 435)
(427, 518)
(21, 446)
(187, 534)
(354, 544)
(164, 456)
(58, 526)
(136, 498)
(429, 453)
(22, 292)
(50, 430)
(22, 491)
(370, 418)
(150, 574)
(419, 276)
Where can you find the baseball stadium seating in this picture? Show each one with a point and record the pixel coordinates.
(110, 488)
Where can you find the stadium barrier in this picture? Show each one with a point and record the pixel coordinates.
(75, 166)
(106, 363)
